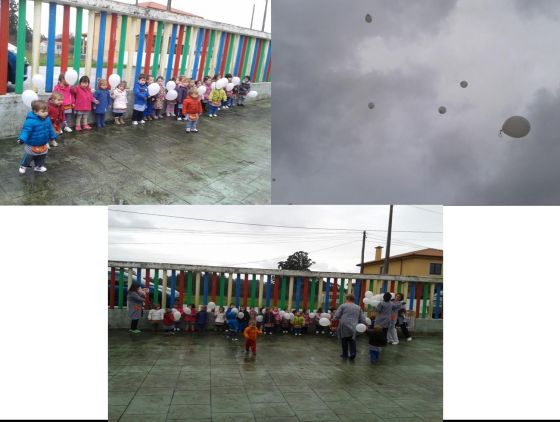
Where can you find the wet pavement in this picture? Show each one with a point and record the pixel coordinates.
(226, 162)
(192, 377)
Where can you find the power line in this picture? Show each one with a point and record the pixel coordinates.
(268, 225)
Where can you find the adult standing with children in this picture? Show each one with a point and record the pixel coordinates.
(135, 298)
(349, 314)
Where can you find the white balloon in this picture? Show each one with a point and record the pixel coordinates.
(360, 328)
(38, 81)
(170, 85)
(311, 314)
(236, 80)
(176, 315)
(188, 311)
(114, 80)
(153, 89)
(170, 96)
(235, 310)
(240, 315)
(71, 76)
(326, 315)
(252, 94)
(516, 127)
(211, 305)
(442, 110)
(369, 294)
(213, 85)
(366, 300)
(28, 96)
(291, 315)
(368, 321)
(220, 84)
(259, 318)
(229, 86)
(324, 322)
(286, 315)
(281, 313)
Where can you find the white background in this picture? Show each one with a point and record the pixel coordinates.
(500, 345)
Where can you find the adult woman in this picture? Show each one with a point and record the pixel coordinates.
(349, 314)
(135, 298)
(384, 311)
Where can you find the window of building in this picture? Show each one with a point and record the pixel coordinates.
(435, 269)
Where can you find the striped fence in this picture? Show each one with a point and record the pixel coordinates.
(168, 44)
(266, 287)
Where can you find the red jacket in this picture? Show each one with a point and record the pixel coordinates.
(191, 106)
(191, 317)
(168, 319)
(56, 113)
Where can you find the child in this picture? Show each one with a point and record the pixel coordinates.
(192, 110)
(268, 320)
(190, 319)
(120, 102)
(177, 315)
(250, 333)
(170, 106)
(242, 91)
(229, 94)
(68, 99)
(376, 342)
(215, 98)
(233, 325)
(306, 321)
(201, 319)
(401, 316)
(168, 322)
(103, 97)
(156, 316)
(182, 94)
(318, 327)
(298, 324)
(220, 319)
(334, 327)
(84, 99)
(285, 324)
(277, 319)
(160, 98)
(36, 133)
(140, 99)
(149, 112)
(56, 114)
(207, 82)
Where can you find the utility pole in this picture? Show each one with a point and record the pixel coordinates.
(252, 15)
(388, 248)
(264, 18)
(169, 5)
(363, 250)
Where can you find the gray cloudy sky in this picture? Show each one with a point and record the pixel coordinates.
(176, 240)
(329, 147)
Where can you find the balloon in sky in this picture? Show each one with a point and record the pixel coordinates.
(516, 127)
(71, 76)
(371, 106)
(442, 110)
(368, 18)
(464, 84)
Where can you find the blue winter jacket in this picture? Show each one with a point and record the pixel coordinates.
(140, 94)
(37, 131)
(104, 98)
(232, 320)
(201, 317)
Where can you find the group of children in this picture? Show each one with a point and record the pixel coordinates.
(253, 322)
(49, 119)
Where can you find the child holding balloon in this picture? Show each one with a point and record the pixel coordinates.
(56, 113)
(120, 102)
(242, 91)
(171, 104)
(140, 99)
(149, 111)
(159, 99)
(182, 94)
(103, 97)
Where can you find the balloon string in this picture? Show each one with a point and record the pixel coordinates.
(500, 134)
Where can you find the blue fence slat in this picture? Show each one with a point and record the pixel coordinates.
(100, 47)
(140, 52)
(50, 48)
(238, 290)
(171, 53)
(268, 288)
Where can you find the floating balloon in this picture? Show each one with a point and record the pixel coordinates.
(516, 127)
(286, 315)
(221, 83)
(240, 315)
(170, 85)
(153, 89)
(371, 106)
(236, 80)
(369, 294)
(71, 76)
(360, 328)
(368, 321)
(442, 110)
(234, 310)
(368, 18)
(28, 96)
(324, 322)
(170, 96)
(176, 315)
(38, 81)
(201, 90)
(252, 94)
(211, 305)
(229, 86)
(188, 311)
(464, 84)
(259, 318)
(114, 80)
(325, 315)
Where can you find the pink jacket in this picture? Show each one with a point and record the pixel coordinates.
(84, 98)
(66, 92)
(208, 89)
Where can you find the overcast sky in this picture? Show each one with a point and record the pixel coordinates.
(329, 147)
(140, 237)
(237, 13)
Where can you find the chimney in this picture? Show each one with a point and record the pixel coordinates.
(378, 251)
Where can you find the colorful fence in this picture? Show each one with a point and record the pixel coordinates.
(183, 45)
(263, 288)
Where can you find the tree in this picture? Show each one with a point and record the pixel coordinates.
(13, 19)
(299, 261)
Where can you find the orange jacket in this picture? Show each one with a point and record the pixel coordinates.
(192, 106)
(251, 333)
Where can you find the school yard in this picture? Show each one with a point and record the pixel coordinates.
(191, 377)
(226, 162)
